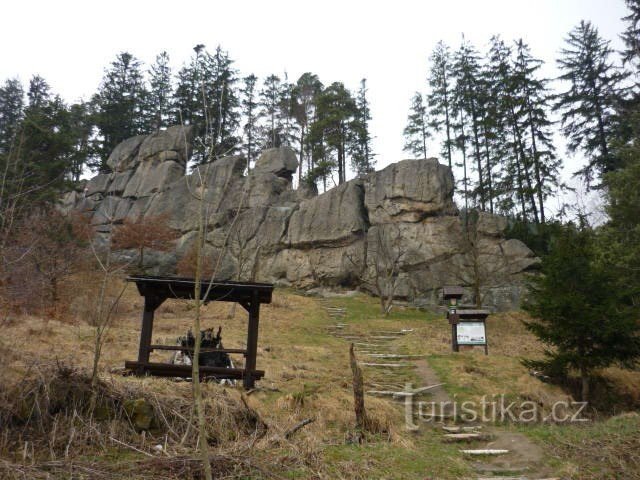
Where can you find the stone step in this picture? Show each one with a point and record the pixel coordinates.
(389, 365)
(459, 429)
(393, 355)
(465, 437)
(485, 451)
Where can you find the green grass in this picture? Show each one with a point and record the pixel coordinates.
(427, 458)
(608, 449)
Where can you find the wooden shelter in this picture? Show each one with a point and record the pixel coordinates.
(156, 290)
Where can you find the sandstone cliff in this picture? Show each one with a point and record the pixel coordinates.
(403, 215)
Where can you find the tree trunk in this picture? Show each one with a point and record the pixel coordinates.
(584, 379)
(478, 157)
(446, 115)
(195, 366)
(301, 155)
(464, 162)
(536, 160)
(488, 167)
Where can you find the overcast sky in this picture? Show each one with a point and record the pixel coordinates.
(70, 42)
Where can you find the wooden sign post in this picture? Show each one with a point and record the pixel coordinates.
(468, 326)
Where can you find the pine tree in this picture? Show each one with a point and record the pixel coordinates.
(305, 93)
(588, 105)
(249, 113)
(362, 156)
(335, 111)
(270, 97)
(417, 130)
(439, 99)
(120, 104)
(160, 93)
(286, 113)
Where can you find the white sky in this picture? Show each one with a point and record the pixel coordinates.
(70, 42)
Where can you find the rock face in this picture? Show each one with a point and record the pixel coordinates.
(402, 216)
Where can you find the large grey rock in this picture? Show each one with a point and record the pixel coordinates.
(119, 182)
(153, 176)
(334, 218)
(124, 156)
(172, 144)
(279, 161)
(262, 229)
(98, 184)
(409, 191)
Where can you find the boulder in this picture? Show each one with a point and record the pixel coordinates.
(124, 156)
(409, 191)
(279, 161)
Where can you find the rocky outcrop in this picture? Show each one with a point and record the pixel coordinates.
(262, 227)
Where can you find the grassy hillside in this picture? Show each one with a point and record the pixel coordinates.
(307, 377)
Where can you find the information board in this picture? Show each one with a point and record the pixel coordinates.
(470, 333)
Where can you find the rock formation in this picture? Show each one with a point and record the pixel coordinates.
(403, 214)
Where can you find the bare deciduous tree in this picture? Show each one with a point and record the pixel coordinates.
(145, 232)
(379, 270)
(483, 261)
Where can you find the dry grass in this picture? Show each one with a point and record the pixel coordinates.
(307, 376)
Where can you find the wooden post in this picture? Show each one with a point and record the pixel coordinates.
(151, 303)
(486, 339)
(358, 396)
(252, 341)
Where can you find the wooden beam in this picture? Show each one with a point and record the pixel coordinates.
(202, 350)
(151, 303)
(252, 340)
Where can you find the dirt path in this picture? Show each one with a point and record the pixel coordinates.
(525, 460)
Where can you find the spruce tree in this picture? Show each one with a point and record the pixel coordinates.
(517, 183)
(439, 98)
(81, 127)
(120, 104)
(47, 143)
(11, 113)
(417, 130)
(534, 96)
(249, 113)
(362, 156)
(160, 93)
(631, 35)
(588, 105)
(580, 308)
(189, 103)
(223, 114)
